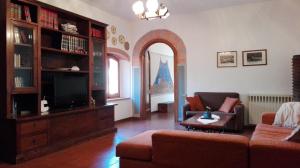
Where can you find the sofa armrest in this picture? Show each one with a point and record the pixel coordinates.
(186, 108)
(268, 118)
(182, 149)
(239, 110)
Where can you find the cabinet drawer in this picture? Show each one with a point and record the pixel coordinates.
(106, 124)
(34, 126)
(105, 113)
(31, 142)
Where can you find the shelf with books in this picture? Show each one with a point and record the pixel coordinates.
(62, 51)
(23, 11)
(60, 42)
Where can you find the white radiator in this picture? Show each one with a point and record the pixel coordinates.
(265, 103)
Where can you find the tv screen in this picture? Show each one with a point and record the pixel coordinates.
(70, 91)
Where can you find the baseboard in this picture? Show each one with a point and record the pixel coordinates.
(127, 119)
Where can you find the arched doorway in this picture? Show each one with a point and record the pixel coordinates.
(178, 47)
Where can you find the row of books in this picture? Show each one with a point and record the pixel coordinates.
(16, 12)
(97, 33)
(17, 60)
(49, 19)
(19, 82)
(74, 44)
(21, 37)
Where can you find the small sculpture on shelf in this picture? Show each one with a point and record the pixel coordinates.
(93, 101)
(44, 107)
(68, 27)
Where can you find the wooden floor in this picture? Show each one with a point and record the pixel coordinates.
(100, 152)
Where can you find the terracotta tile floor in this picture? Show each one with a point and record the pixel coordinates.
(100, 152)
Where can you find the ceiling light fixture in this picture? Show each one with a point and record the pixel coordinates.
(153, 10)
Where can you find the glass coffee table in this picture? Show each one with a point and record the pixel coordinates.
(219, 126)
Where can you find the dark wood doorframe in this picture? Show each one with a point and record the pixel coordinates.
(144, 113)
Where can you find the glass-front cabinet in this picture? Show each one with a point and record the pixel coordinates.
(99, 64)
(24, 57)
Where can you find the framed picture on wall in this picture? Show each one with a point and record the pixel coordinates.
(227, 59)
(255, 57)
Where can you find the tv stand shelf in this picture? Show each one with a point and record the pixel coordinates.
(37, 54)
(64, 71)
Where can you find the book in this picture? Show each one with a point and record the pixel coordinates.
(23, 37)
(27, 13)
(96, 33)
(12, 10)
(15, 11)
(74, 44)
(42, 17)
(17, 60)
(19, 10)
(65, 43)
(49, 19)
(17, 35)
(55, 21)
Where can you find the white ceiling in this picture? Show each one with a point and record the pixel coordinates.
(122, 8)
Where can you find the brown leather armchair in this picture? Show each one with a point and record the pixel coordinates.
(215, 101)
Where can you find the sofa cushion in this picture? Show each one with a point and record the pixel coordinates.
(215, 99)
(270, 132)
(228, 104)
(183, 149)
(195, 103)
(267, 142)
(138, 147)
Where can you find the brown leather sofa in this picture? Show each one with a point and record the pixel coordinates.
(215, 101)
(183, 149)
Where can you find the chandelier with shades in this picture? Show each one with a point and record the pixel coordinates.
(153, 10)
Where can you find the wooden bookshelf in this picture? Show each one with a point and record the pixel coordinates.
(34, 53)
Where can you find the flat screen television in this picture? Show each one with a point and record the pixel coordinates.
(70, 91)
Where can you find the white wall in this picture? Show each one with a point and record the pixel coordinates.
(160, 52)
(124, 110)
(272, 25)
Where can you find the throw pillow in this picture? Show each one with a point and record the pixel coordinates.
(294, 136)
(195, 103)
(229, 104)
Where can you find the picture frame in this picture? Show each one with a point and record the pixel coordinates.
(255, 57)
(227, 59)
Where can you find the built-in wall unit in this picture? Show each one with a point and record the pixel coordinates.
(52, 80)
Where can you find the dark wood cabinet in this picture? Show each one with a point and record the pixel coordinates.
(35, 48)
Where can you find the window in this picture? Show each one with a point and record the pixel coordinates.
(113, 86)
